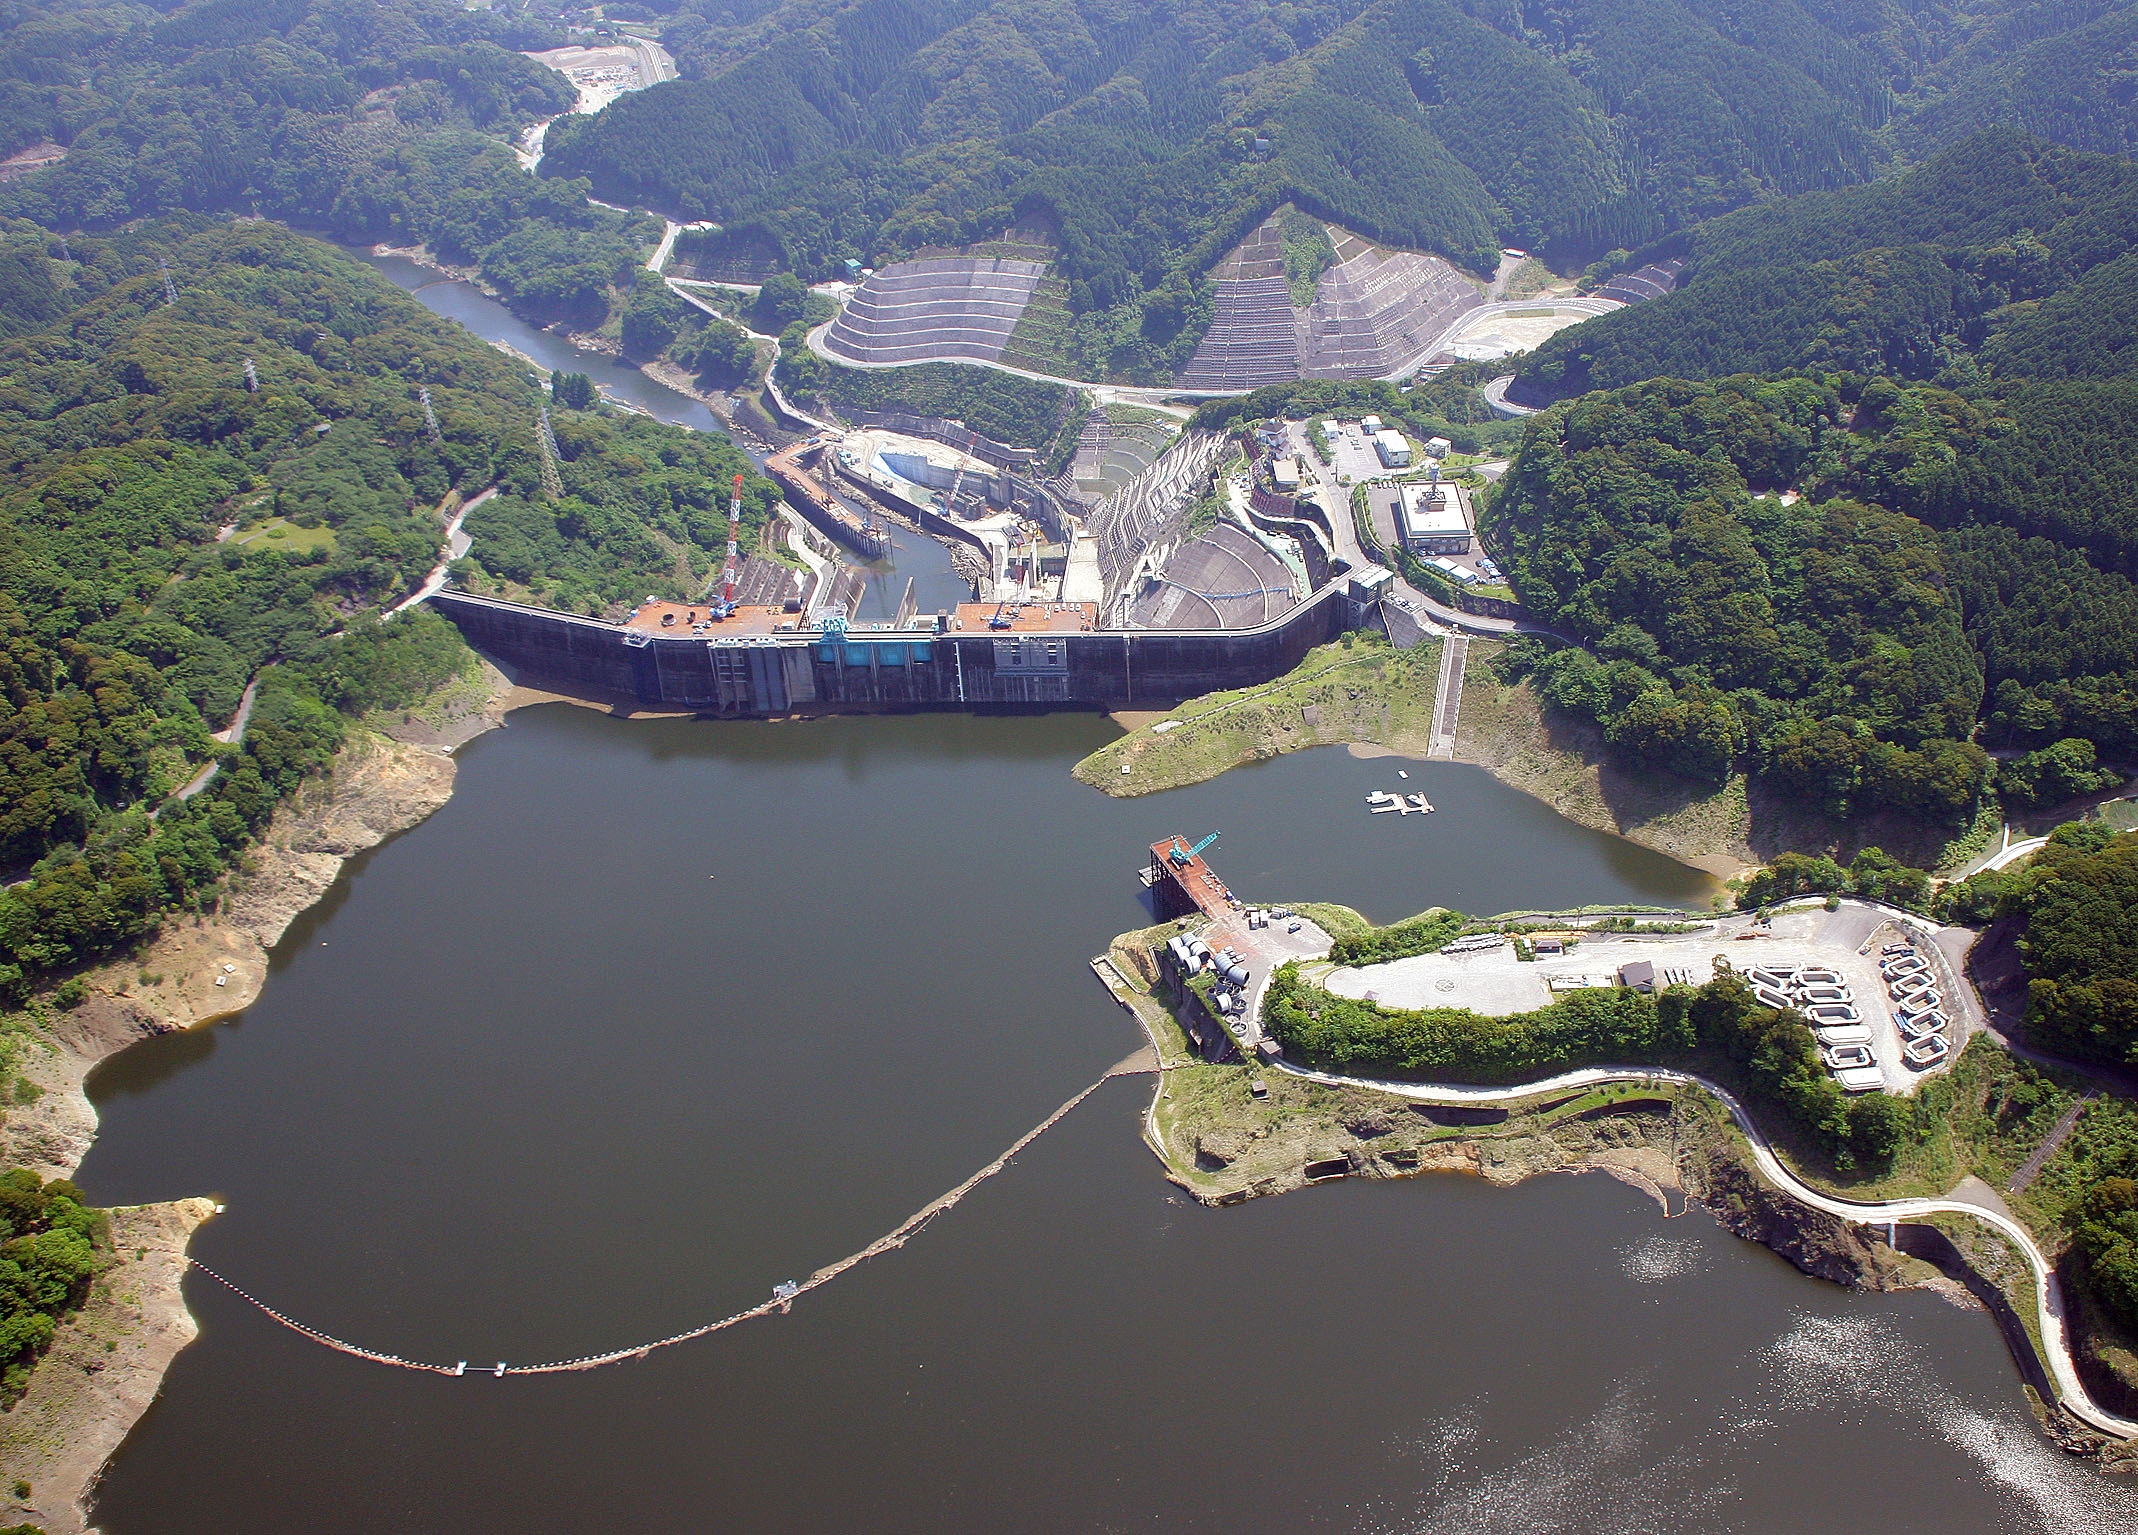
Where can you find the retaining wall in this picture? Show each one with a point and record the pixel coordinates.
(894, 670)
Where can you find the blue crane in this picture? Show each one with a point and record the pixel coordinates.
(1181, 855)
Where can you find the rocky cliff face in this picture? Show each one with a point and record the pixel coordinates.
(1822, 1245)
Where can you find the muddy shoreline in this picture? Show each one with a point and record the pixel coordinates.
(107, 1363)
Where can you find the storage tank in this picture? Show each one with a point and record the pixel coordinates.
(1236, 974)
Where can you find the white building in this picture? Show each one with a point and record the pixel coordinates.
(1393, 447)
(1438, 447)
(1433, 520)
(1285, 471)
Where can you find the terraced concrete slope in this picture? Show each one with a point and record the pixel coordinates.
(1254, 331)
(1643, 283)
(1377, 310)
(1111, 453)
(1146, 514)
(1220, 580)
(1374, 311)
(939, 309)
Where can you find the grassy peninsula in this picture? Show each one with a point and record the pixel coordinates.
(1356, 690)
(2035, 1141)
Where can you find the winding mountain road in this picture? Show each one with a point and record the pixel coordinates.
(2055, 1336)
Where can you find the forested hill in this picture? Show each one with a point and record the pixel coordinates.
(168, 534)
(1853, 587)
(869, 128)
(2005, 257)
(371, 119)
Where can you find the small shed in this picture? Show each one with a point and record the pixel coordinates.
(1638, 974)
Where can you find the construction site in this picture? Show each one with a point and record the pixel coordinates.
(1144, 534)
(1373, 311)
(1112, 606)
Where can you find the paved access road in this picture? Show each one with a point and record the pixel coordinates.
(2055, 1335)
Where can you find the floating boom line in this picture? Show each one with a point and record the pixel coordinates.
(783, 1296)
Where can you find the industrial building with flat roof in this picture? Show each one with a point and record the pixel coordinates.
(1430, 519)
(1393, 447)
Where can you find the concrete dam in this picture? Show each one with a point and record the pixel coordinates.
(1054, 657)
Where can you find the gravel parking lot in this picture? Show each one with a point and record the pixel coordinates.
(1495, 983)
(1355, 455)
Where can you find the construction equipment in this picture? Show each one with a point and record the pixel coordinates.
(726, 604)
(950, 501)
(1182, 856)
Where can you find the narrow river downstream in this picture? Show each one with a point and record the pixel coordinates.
(913, 555)
(655, 1014)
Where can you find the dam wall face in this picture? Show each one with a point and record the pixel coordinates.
(763, 675)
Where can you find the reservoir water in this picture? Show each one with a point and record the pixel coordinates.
(655, 1014)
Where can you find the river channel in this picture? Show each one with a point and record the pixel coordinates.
(655, 1014)
(936, 587)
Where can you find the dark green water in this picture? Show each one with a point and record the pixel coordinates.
(655, 1014)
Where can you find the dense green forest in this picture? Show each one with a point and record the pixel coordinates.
(48, 1250)
(1719, 1025)
(1150, 137)
(368, 119)
(1023, 412)
(2077, 905)
(167, 535)
(1838, 583)
(2005, 257)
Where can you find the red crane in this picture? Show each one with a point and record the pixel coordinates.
(727, 579)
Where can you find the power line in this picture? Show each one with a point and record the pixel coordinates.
(552, 480)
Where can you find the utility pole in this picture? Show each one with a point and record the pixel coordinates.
(252, 378)
(430, 417)
(170, 290)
